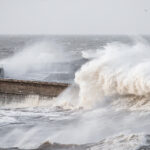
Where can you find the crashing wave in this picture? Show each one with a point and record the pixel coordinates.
(117, 70)
(121, 142)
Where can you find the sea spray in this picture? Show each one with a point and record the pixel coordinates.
(117, 72)
(114, 84)
(37, 59)
(117, 69)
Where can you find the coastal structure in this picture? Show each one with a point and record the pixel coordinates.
(22, 87)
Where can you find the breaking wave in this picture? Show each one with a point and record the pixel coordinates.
(117, 70)
(129, 142)
(109, 103)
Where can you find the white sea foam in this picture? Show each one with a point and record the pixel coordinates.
(115, 85)
(118, 69)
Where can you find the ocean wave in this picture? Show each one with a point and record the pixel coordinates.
(120, 142)
(116, 70)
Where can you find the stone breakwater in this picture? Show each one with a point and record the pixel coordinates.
(22, 87)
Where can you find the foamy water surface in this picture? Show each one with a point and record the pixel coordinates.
(106, 107)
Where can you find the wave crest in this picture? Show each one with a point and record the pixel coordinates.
(118, 69)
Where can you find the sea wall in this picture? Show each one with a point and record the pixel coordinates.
(21, 87)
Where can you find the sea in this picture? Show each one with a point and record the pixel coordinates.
(105, 107)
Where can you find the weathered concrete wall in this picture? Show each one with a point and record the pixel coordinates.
(21, 87)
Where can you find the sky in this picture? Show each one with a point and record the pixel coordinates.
(74, 16)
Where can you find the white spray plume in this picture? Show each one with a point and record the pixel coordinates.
(118, 69)
(34, 58)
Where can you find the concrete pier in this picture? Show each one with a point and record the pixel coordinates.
(22, 87)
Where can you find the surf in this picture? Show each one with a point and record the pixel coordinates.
(108, 102)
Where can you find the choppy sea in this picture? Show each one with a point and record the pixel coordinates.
(106, 107)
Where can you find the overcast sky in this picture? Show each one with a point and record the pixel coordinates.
(74, 16)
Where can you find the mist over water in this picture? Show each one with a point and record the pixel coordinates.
(114, 85)
(38, 60)
(107, 106)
